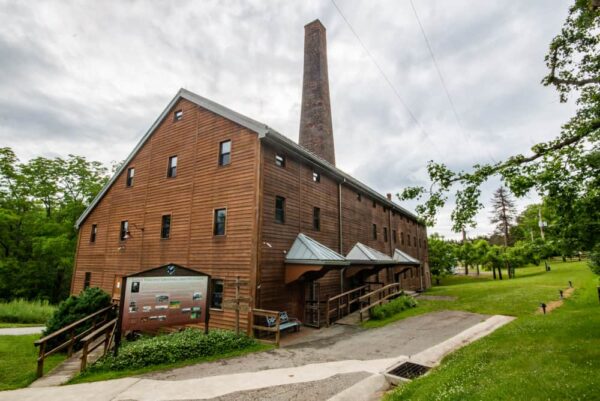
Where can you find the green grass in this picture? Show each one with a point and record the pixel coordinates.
(536, 357)
(22, 311)
(18, 361)
(87, 377)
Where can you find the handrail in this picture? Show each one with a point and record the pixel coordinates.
(341, 305)
(348, 292)
(73, 338)
(267, 313)
(106, 330)
(380, 295)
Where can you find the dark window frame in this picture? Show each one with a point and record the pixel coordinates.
(124, 230)
(374, 233)
(219, 227)
(401, 237)
(178, 115)
(216, 297)
(87, 280)
(165, 229)
(316, 218)
(374, 204)
(280, 212)
(385, 234)
(225, 157)
(359, 197)
(94, 233)
(172, 168)
(280, 160)
(395, 236)
(130, 177)
(316, 177)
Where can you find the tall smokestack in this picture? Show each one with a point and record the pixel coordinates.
(316, 131)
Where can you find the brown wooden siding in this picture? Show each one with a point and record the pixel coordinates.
(190, 198)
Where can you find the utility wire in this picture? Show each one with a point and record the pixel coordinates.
(439, 72)
(385, 77)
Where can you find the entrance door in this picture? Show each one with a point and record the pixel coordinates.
(312, 312)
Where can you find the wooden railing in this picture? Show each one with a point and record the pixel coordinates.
(340, 305)
(96, 318)
(271, 329)
(106, 330)
(377, 297)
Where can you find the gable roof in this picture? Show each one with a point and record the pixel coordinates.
(362, 253)
(404, 258)
(264, 133)
(306, 250)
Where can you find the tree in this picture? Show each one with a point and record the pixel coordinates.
(504, 213)
(480, 250)
(442, 257)
(564, 169)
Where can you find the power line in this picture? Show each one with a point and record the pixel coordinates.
(385, 77)
(439, 72)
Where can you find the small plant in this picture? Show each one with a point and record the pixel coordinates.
(23, 311)
(169, 348)
(393, 307)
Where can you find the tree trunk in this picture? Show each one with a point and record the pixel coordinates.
(494, 272)
(500, 273)
(477, 270)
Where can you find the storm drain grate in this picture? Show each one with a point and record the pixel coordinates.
(409, 370)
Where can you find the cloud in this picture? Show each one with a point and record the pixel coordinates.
(90, 77)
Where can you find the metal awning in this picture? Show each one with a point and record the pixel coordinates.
(405, 259)
(365, 255)
(310, 259)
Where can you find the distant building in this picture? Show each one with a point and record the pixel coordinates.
(215, 191)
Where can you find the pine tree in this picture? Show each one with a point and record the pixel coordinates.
(503, 215)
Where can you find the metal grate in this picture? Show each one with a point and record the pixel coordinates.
(409, 370)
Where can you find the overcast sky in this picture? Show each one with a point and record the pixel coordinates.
(90, 77)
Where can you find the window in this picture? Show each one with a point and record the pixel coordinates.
(124, 233)
(280, 160)
(87, 280)
(94, 232)
(394, 236)
(408, 239)
(165, 227)
(414, 241)
(385, 234)
(374, 231)
(216, 290)
(220, 220)
(401, 238)
(359, 197)
(316, 177)
(316, 219)
(178, 115)
(130, 174)
(224, 153)
(374, 204)
(172, 168)
(280, 209)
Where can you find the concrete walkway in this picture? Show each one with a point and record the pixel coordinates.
(21, 331)
(243, 379)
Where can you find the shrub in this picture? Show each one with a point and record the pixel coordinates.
(393, 307)
(594, 261)
(23, 311)
(74, 308)
(169, 348)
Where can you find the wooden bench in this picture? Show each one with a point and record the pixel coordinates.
(272, 322)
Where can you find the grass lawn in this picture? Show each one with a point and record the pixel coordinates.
(87, 377)
(536, 357)
(18, 361)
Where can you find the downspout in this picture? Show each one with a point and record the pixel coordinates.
(340, 233)
(421, 273)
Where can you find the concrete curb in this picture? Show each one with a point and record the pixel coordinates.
(363, 390)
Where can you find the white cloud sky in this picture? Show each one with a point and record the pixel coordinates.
(89, 77)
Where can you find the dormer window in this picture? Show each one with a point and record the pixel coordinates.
(178, 115)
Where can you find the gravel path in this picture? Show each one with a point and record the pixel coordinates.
(406, 337)
(21, 331)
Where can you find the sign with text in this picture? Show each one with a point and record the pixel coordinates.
(154, 300)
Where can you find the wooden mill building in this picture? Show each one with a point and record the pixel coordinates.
(212, 190)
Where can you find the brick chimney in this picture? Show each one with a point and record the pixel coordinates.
(316, 131)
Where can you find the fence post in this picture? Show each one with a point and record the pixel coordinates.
(277, 321)
(84, 354)
(40, 361)
(71, 343)
(327, 312)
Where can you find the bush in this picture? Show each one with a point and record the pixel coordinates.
(23, 311)
(594, 261)
(169, 348)
(74, 308)
(397, 305)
